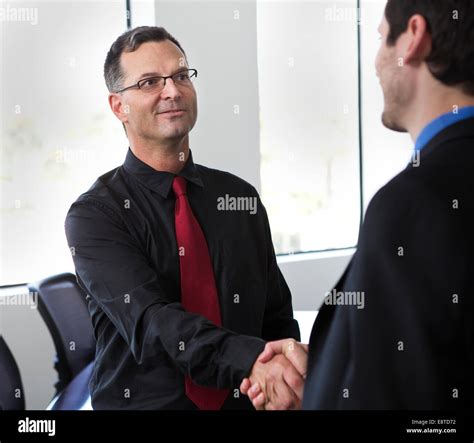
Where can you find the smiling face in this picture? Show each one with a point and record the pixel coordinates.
(157, 117)
(396, 90)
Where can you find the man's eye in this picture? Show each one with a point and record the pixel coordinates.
(182, 77)
(150, 82)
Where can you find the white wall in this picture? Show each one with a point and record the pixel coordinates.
(310, 276)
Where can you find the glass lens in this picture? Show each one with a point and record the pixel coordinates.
(150, 84)
(182, 77)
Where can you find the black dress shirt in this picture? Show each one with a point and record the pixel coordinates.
(122, 237)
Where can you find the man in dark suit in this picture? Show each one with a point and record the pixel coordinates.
(409, 344)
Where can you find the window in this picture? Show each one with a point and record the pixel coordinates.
(309, 135)
(57, 134)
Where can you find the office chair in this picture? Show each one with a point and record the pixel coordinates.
(63, 305)
(75, 396)
(11, 388)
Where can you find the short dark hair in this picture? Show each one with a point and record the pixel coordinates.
(130, 41)
(451, 25)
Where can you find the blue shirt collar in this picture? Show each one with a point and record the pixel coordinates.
(440, 123)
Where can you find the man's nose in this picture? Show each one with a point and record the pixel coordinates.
(170, 89)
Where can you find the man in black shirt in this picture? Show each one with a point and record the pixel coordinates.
(123, 236)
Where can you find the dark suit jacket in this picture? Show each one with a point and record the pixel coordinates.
(412, 345)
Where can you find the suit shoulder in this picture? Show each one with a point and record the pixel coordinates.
(406, 191)
(413, 202)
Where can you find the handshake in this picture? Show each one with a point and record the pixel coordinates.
(276, 381)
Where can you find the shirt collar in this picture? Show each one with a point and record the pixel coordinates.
(160, 181)
(440, 123)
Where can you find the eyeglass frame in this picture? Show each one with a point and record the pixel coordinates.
(192, 75)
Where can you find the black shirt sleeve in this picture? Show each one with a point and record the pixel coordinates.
(113, 269)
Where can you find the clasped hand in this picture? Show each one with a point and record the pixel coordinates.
(276, 381)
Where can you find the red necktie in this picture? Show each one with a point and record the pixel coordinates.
(198, 286)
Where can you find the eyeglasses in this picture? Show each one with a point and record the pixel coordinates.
(157, 83)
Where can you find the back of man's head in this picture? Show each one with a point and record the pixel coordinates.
(451, 26)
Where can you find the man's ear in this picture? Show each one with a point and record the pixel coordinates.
(119, 107)
(418, 40)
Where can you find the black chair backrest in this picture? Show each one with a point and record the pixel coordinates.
(76, 394)
(11, 388)
(63, 305)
